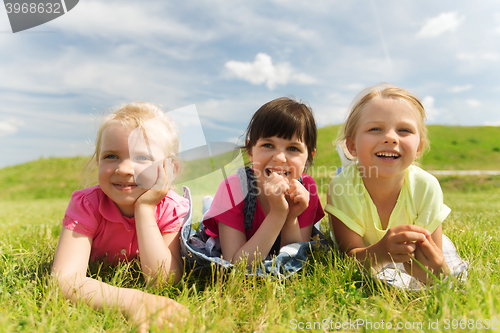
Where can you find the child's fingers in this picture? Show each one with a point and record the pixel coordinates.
(410, 227)
(296, 185)
(298, 198)
(160, 177)
(402, 248)
(427, 251)
(277, 185)
(408, 236)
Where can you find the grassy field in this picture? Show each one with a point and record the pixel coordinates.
(329, 291)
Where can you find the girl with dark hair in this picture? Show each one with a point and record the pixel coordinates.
(281, 197)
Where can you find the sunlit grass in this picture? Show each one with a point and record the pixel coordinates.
(329, 291)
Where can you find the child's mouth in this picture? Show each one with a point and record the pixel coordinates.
(281, 172)
(125, 186)
(387, 155)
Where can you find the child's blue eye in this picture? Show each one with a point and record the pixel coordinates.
(406, 130)
(143, 158)
(110, 156)
(374, 129)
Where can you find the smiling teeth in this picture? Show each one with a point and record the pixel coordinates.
(387, 155)
(281, 173)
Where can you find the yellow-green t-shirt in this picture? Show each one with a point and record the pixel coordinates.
(420, 202)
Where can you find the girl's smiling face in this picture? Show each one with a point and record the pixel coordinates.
(387, 138)
(118, 163)
(286, 157)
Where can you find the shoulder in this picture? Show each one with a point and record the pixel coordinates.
(230, 189)
(176, 199)
(231, 180)
(174, 202)
(348, 176)
(419, 178)
(83, 212)
(228, 200)
(308, 181)
(90, 197)
(171, 211)
(422, 187)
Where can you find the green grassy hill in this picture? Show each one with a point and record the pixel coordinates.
(452, 148)
(43, 178)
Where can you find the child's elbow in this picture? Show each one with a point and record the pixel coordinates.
(67, 282)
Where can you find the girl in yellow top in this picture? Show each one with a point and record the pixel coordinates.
(383, 209)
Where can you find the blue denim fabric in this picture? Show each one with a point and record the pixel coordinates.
(291, 258)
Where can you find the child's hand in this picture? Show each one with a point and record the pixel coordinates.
(158, 191)
(275, 188)
(431, 257)
(398, 244)
(159, 311)
(298, 199)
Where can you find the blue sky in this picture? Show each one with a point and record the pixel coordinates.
(230, 57)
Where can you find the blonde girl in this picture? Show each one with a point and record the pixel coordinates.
(383, 208)
(132, 210)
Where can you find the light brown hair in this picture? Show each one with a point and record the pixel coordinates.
(388, 91)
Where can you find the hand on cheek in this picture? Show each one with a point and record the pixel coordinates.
(159, 188)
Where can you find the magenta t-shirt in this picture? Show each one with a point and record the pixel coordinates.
(91, 213)
(227, 207)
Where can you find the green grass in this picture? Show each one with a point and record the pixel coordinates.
(329, 288)
(34, 196)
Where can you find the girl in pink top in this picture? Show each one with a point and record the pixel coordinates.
(281, 143)
(131, 211)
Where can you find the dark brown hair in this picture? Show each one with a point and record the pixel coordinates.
(283, 117)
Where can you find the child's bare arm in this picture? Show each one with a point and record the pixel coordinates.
(396, 246)
(70, 268)
(298, 201)
(235, 246)
(159, 254)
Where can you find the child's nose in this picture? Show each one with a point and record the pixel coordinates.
(124, 168)
(391, 137)
(279, 157)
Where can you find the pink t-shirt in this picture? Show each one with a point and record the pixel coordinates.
(228, 205)
(91, 213)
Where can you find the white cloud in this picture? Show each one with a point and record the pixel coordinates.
(430, 110)
(262, 70)
(7, 128)
(459, 89)
(444, 22)
(327, 115)
(492, 123)
(473, 103)
(127, 20)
